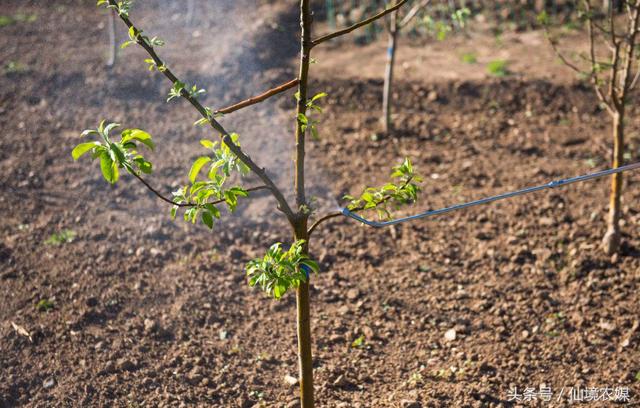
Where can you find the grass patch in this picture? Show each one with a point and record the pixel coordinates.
(497, 68)
(17, 18)
(25, 18)
(6, 21)
(469, 58)
(44, 305)
(14, 67)
(62, 237)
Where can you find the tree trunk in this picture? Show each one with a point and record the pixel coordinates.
(299, 223)
(611, 240)
(113, 46)
(387, 94)
(190, 12)
(305, 359)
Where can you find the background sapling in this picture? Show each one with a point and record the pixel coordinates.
(613, 79)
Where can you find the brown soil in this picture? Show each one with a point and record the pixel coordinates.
(150, 312)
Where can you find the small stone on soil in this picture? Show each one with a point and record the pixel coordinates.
(353, 294)
(290, 380)
(48, 383)
(150, 325)
(450, 335)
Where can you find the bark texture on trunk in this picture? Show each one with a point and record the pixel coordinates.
(611, 240)
(299, 222)
(305, 358)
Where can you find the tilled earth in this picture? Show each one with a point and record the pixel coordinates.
(454, 311)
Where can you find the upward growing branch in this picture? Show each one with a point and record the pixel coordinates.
(226, 139)
(363, 23)
(412, 13)
(305, 60)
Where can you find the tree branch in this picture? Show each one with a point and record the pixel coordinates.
(262, 97)
(613, 79)
(633, 28)
(594, 62)
(559, 54)
(412, 13)
(323, 219)
(347, 30)
(170, 201)
(354, 210)
(260, 172)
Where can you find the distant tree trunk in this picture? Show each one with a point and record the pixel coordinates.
(387, 94)
(113, 46)
(190, 11)
(611, 240)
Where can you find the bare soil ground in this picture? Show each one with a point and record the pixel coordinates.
(150, 312)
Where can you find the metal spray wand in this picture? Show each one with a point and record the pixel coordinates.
(550, 185)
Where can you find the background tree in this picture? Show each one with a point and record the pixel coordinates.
(113, 44)
(210, 175)
(613, 80)
(394, 26)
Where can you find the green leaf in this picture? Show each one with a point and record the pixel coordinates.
(208, 144)
(126, 44)
(83, 148)
(543, 18)
(139, 135)
(144, 166)
(197, 166)
(44, 305)
(109, 168)
(314, 133)
(280, 270)
(318, 96)
(118, 153)
(359, 342)
(207, 219)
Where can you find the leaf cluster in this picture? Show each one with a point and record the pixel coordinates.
(221, 163)
(116, 155)
(180, 87)
(402, 190)
(306, 121)
(63, 237)
(280, 270)
(122, 7)
(135, 37)
(440, 28)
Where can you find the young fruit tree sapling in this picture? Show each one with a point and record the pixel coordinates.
(613, 79)
(281, 269)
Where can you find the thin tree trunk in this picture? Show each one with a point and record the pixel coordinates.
(190, 12)
(305, 358)
(387, 94)
(611, 241)
(299, 224)
(113, 46)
